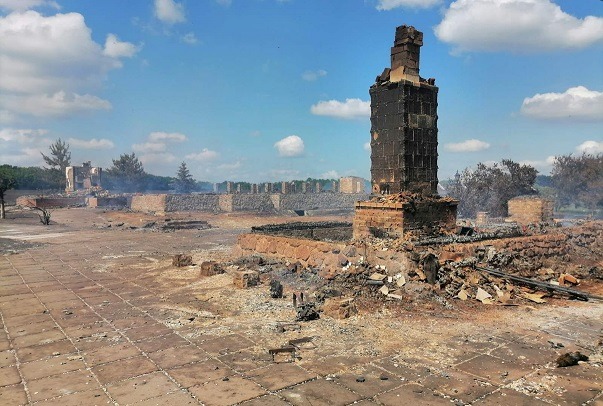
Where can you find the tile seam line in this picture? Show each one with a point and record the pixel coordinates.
(62, 331)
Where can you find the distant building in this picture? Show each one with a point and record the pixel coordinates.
(351, 184)
(82, 177)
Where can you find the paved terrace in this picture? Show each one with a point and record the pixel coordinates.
(93, 316)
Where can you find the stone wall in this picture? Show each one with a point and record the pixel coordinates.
(530, 209)
(192, 202)
(324, 200)
(261, 202)
(149, 203)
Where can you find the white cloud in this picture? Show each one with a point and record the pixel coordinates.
(311, 76)
(590, 147)
(23, 157)
(576, 102)
(543, 166)
(204, 156)
(391, 4)
(149, 147)
(22, 136)
(160, 135)
(94, 143)
(50, 64)
(118, 49)
(22, 5)
(332, 174)
(515, 26)
(230, 166)
(472, 145)
(53, 105)
(367, 146)
(290, 146)
(169, 12)
(350, 109)
(190, 38)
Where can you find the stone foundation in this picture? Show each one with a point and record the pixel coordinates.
(396, 218)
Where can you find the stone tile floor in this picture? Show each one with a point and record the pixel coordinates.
(73, 335)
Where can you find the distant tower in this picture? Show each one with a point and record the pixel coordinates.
(404, 132)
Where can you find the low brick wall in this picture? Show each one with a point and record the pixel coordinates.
(529, 248)
(327, 256)
(307, 252)
(50, 202)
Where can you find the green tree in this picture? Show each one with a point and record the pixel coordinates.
(578, 180)
(184, 182)
(58, 160)
(7, 182)
(127, 174)
(490, 187)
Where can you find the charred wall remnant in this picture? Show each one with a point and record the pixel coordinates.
(82, 177)
(404, 133)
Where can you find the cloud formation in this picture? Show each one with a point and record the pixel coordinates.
(50, 63)
(22, 136)
(576, 102)
(471, 145)
(516, 26)
(384, 5)
(205, 155)
(53, 105)
(22, 5)
(156, 145)
(161, 136)
(349, 109)
(93, 143)
(313, 75)
(115, 48)
(189, 38)
(290, 146)
(169, 11)
(590, 147)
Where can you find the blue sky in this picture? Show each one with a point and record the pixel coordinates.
(262, 90)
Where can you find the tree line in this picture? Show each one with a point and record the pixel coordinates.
(575, 181)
